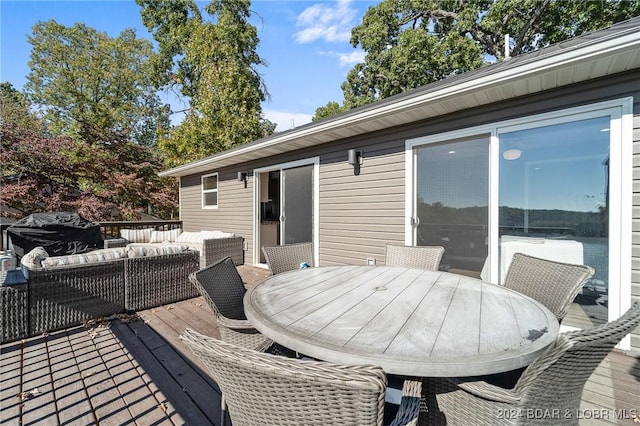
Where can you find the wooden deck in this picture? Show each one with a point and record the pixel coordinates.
(135, 371)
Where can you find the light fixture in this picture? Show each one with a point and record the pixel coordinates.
(354, 157)
(511, 154)
(242, 177)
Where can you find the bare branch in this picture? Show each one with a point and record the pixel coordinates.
(519, 41)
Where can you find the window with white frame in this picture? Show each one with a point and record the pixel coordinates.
(210, 191)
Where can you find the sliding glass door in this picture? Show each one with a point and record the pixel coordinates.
(555, 186)
(297, 205)
(452, 202)
(554, 203)
(286, 205)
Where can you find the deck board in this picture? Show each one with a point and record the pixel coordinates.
(139, 373)
(134, 337)
(141, 404)
(41, 406)
(70, 393)
(10, 377)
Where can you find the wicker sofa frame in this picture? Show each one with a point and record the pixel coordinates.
(212, 251)
(64, 296)
(159, 280)
(14, 310)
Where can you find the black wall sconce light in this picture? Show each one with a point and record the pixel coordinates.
(354, 158)
(242, 177)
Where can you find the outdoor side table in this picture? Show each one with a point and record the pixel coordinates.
(14, 300)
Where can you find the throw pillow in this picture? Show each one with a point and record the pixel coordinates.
(137, 235)
(214, 235)
(162, 236)
(33, 259)
(189, 237)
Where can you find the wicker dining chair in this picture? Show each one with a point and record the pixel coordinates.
(552, 384)
(554, 284)
(263, 389)
(222, 288)
(288, 257)
(423, 257)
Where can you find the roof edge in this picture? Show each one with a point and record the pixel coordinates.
(541, 63)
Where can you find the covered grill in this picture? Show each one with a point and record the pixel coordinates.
(59, 233)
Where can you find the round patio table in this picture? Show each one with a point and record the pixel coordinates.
(407, 321)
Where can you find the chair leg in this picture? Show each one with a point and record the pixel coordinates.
(223, 411)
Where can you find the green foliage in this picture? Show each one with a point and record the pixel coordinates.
(410, 43)
(331, 108)
(171, 22)
(94, 87)
(14, 109)
(94, 151)
(213, 63)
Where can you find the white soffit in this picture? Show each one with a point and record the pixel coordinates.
(539, 72)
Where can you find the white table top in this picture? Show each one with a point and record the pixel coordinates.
(408, 321)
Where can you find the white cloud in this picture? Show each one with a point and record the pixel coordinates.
(286, 120)
(346, 59)
(350, 59)
(332, 23)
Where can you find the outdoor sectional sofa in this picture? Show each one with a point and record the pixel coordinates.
(72, 289)
(211, 245)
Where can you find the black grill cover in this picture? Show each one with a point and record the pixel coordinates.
(59, 233)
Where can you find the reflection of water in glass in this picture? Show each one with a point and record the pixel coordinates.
(558, 188)
(452, 199)
(594, 298)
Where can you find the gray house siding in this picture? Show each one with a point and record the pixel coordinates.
(234, 201)
(359, 214)
(635, 260)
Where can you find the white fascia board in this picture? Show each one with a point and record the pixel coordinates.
(542, 63)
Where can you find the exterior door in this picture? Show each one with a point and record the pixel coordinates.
(286, 205)
(555, 185)
(452, 202)
(554, 203)
(296, 221)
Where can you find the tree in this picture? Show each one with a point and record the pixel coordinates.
(15, 109)
(331, 108)
(214, 64)
(94, 87)
(62, 174)
(410, 43)
(102, 115)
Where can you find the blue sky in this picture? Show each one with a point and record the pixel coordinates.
(305, 43)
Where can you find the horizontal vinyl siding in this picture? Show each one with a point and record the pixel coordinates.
(635, 260)
(235, 206)
(359, 214)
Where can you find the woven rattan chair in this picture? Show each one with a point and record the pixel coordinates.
(554, 284)
(263, 389)
(288, 257)
(221, 286)
(552, 385)
(423, 257)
